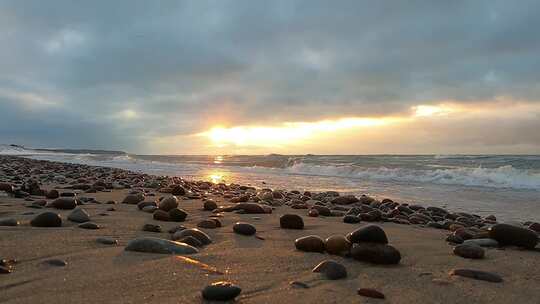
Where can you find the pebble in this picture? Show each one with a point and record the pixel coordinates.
(291, 221)
(5, 270)
(477, 275)
(376, 253)
(89, 225)
(56, 262)
(221, 291)
(244, 228)
(107, 241)
(369, 233)
(469, 251)
(160, 215)
(190, 241)
(133, 199)
(168, 203)
(177, 215)
(210, 205)
(64, 203)
(298, 284)
(194, 232)
(47, 219)
(79, 215)
(310, 243)
(370, 293)
(511, 235)
(207, 224)
(331, 269)
(157, 245)
(337, 244)
(454, 239)
(149, 209)
(482, 242)
(176, 228)
(313, 213)
(151, 228)
(9, 222)
(535, 227)
(351, 219)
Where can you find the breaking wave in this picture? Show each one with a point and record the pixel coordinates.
(500, 177)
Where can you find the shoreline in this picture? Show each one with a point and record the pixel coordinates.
(263, 265)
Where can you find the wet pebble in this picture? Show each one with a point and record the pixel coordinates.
(151, 228)
(157, 245)
(221, 291)
(56, 262)
(177, 215)
(64, 203)
(168, 203)
(337, 244)
(160, 215)
(79, 215)
(376, 253)
(331, 270)
(291, 221)
(209, 205)
(369, 233)
(310, 243)
(207, 224)
(194, 232)
(469, 251)
(9, 222)
(89, 225)
(107, 241)
(370, 293)
(351, 219)
(47, 219)
(244, 228)
(477, 275)
(507, 234)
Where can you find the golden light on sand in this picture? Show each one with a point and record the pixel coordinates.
(284, 133)
(216, 177)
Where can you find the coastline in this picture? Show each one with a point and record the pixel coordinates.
(263, 267)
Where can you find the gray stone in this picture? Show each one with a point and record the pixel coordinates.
(482, 242)
(194, 232)
(477, 275)
(331, 269)
(221, 291)
(79, 215)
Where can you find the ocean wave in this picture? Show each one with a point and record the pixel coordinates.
(500, 177)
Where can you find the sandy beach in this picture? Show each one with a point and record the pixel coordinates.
(265, 265)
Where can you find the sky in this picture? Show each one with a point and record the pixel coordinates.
(258, 77)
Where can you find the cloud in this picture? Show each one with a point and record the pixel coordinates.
(176, 68)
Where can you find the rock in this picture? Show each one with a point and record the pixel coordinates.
(313, 213)
(160, 215)
(535, 227)
(511, 235)
(324, 211)
(64, 203)
(331, 270)
(244, 228)
(298, 284)
(157, 245)
(177, 190)
(47, 219)
(375, 253)
(107, 241)
(176, 228)
(150, 209)
(351, 219)
(469, 251)
(477, 275)
(253, 208)
(5, 270)
(337, 244)
(89, 225)
(454, 239)
(310, 243)
(221, 291)
(482, 242)
(370, 293)
(7, 187)
(345, 200)
(143, 204)
(191, 241)
(56, 262)
(151, 228)
(9, 222)
(210, 205)
(194, 232)
(79, 215)
(291, 221)
(208, 224)
(168, 203)
(369, 233)
(133, 199)
(52, 194)
(177, 215)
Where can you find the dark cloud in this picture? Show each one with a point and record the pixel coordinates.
(182, 65)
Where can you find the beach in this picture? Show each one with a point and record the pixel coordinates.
(266, 266)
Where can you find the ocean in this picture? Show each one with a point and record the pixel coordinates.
(507, 186)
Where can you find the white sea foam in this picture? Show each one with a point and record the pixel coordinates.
(501, 177)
